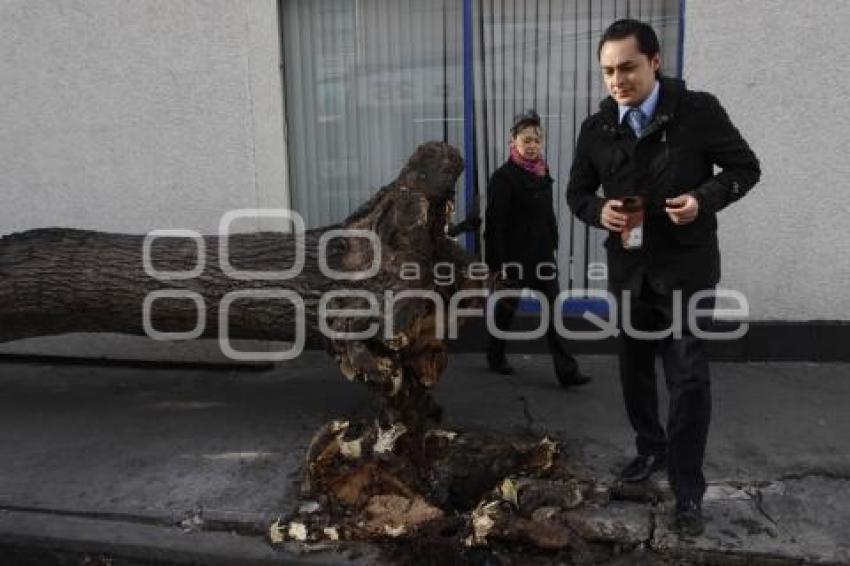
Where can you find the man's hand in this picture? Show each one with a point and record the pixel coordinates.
(682, 209)
(610, 218)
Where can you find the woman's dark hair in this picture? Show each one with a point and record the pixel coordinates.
(521, 121)
(647, 41)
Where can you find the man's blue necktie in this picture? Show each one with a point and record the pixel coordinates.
(637, 120)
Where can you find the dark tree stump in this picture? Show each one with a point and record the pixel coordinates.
(395, 476)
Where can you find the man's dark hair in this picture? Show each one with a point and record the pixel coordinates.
(647, 41)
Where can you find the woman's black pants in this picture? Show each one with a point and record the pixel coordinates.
(505, 309)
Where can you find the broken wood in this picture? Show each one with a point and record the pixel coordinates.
(57, 280)
(393, 477)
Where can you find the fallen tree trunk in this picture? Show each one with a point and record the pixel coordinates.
(396, 477)
(55, 281)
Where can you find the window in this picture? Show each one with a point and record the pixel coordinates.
(367, 81)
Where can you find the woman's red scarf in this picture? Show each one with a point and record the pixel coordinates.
(536, 167)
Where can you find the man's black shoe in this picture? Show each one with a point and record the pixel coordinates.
(577, 378)
(688, 518)
(642, 467)
(502, 367)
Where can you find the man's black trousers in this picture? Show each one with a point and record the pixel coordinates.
(686, 372)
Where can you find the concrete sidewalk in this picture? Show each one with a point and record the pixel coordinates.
(189, 466)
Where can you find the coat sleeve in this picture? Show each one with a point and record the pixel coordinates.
(584, 182)
(498, 218)
(724, 147)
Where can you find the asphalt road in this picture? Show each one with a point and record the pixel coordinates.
(192, 463)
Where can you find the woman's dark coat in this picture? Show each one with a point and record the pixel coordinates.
(520, 222)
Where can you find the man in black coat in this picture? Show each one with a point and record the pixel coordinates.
(652, 147)
(520, 241)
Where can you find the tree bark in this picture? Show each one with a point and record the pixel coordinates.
(58, 280)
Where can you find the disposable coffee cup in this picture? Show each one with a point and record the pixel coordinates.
(632, 234)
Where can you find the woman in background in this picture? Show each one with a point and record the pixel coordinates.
(521, 239)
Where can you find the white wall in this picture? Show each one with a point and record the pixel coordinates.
(129, 116)
(778, 68)
(132, 116)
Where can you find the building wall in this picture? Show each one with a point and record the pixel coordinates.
(160, 114)
(130, 116)
(777, 67)
(133, 116)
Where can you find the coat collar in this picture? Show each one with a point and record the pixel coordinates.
(668, 102)
(526, 177)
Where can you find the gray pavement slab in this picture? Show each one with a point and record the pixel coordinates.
(158, 447)
(145, 543)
